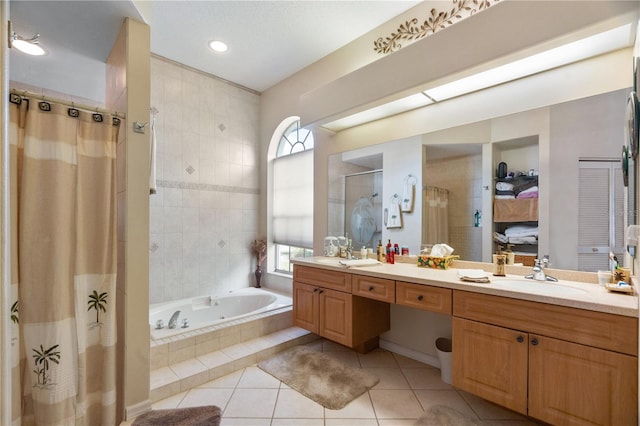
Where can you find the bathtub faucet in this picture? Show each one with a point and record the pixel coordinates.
(174, 319)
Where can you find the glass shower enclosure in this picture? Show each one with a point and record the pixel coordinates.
(363, 208)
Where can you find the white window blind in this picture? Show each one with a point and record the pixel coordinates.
(600, 217)
(293, 199)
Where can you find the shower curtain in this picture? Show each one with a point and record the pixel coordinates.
(436, 214)
(64, 264)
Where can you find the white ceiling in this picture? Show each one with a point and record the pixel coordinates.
(268, 40)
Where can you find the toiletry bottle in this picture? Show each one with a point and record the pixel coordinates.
(388, 252)
(405, 251)
(396, 249)
(380, 252)
(391, 257)
(511, 256)
(499, 260)
(363, 252)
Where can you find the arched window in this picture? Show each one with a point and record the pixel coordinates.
(292, 213)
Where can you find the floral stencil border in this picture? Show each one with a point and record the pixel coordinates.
(411, 31)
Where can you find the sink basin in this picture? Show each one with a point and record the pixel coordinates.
(538, 287)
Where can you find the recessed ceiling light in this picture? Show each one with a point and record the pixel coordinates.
(218, 46)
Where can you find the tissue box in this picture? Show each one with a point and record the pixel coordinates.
(435, 262)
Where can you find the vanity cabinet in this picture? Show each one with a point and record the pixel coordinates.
(323, 304)
(557, 364)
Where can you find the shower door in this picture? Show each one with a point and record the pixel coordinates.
(363, 208)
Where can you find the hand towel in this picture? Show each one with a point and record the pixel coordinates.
(473, 275)
(407, 196)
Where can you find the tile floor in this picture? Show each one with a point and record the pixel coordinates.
(251, 397)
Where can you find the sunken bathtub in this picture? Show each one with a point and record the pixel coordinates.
(204, 314)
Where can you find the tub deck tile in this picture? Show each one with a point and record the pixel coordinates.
(188, 368)
(202, 367)
(215, 359)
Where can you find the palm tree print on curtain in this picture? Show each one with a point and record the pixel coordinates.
(97, 302)
(63, 183)
(41, 359)
(14, 312)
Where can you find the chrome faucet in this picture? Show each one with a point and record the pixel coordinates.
(538, 270)
(174, 319)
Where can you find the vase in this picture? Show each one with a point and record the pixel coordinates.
(258, 274)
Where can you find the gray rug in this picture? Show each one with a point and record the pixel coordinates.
(208, 415)
(441, 415)
(319, 376)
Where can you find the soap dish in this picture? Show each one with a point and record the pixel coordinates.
(615, 288)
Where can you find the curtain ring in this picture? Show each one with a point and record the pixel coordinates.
(73, 112)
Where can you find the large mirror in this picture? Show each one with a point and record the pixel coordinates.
(572, 154)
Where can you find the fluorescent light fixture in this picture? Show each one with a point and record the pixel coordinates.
(28, 46)
(401, 105)
(218, 46)
(598, 44)
(589, 47)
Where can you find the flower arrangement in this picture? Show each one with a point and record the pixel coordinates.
(259, 250)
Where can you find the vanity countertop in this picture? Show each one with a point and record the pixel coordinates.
(573, 294)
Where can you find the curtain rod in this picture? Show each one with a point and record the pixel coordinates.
(27, 94)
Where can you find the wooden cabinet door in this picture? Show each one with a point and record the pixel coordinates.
(306, 308)
(572, 384)
(336, 312)
(491, 362)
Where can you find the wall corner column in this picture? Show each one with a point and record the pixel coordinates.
(128, 89)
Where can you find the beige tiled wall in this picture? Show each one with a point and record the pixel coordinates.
(204, 215)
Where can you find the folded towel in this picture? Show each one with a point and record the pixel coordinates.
(498, 192)
(473, 275)
(521, 231)
(532, 189)
(504, 186)
(501, 238)
(505, 197)
(523, 240)
(359, 262)
(525, 184)
(523, 195)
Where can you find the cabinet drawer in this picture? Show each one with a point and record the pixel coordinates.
(424, 297)
(374, 288)
(606, 331)
(334, 280)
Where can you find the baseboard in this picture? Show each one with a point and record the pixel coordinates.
(410, 353)
(132, 411)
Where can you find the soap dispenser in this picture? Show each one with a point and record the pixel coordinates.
(511, 256)
(499, 261)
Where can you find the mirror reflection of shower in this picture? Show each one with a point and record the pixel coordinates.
(363, 208)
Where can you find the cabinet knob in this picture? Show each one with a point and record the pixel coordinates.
(370, 288)
(534, 341)
(520, 339)
(320, 291)
(420, 297)
(315, 290)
